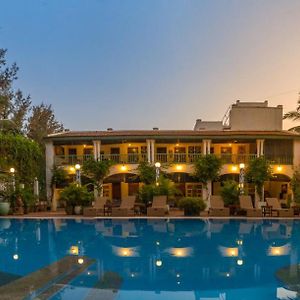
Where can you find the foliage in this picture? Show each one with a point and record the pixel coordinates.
(96, 170)
(294, 115)
(22, 154)
(257, 172)
(5, 187)
(59, 177)
(230, 192)
(192, 205)
(147, 172)
(75, 195)
(165, 187)
(42, 122)
(27, 196)
(13, 105)
(295, 184)
(207, 168)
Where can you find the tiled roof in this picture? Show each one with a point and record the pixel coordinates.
(166, 133)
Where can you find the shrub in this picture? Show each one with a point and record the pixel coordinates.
(230, 193)
(75, 195)
(295, 184)
(192, 205)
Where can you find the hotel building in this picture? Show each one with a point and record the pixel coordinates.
(249, 129)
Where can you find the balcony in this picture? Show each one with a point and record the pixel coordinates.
(177, 158)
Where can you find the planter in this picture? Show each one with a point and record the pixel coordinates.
(191, 212)
(4, 208)
(69, 210)
(77, 210)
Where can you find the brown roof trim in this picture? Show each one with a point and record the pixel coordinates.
(107, 135)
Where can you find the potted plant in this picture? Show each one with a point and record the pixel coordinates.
(4, 204)
(192, 206)
(75, 197)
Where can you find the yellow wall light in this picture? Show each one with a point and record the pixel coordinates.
(123, 168)
(279, 168)
(234, 168)
(179, 167)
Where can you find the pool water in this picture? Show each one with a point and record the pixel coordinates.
(148, 259)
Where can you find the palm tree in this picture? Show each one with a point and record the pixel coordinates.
(294, 115)
(97, 170)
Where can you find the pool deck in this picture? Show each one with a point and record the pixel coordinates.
(176, 214)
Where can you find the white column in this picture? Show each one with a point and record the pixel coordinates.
(97, 149)
(152, 151)
(148, 151)
(206, 147)
(49, 152)
(260, 147)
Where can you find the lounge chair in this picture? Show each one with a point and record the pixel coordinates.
(159, 207)
(217, 208)
(246, 204)
(97, 209)
(126, 208)
(276, 207)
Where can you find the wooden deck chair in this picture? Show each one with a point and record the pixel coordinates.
(159, 207)
(246, 204)
(217, 208)
(97, 209)
(276, 207)
(126, 208)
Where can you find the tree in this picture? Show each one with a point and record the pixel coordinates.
(294, 115)
(22, 154)
(295, 184)
(257, 172)
(147, 173)
(42, 122)
(13, 105)
(97, 170)
(207, 168)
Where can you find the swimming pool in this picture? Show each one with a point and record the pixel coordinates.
(147, 259)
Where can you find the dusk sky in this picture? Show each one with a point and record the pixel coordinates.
(139, 64)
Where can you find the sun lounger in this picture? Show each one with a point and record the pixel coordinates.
(246, 204)
(126, 208)
(97, 209)
(159, 207)
(276, 207)
(217, 208)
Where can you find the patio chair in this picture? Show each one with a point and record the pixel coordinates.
(97, 209)
(159, 207)
(217, 208)
(246, 204)
(276, 207)
(126, 208)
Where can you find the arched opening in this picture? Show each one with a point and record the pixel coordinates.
(279, 187)
(120, 185)
(217, 185)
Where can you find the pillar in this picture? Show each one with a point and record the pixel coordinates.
(152, 146)
(50, 155)
(97, 149)
(148, 151)
(260, 147)
(206, 144)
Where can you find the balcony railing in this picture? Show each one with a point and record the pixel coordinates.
(135, 158)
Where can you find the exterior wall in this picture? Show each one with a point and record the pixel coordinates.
(255, 116)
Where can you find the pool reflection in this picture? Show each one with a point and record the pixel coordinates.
(202, 259)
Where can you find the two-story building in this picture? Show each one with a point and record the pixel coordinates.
(248, 130)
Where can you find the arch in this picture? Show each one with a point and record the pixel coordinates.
(180, 177)
(229, 176)
(122, 177)
(280, 177)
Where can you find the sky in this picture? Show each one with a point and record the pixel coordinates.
(138, 64)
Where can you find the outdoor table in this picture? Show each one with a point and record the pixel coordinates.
(266, 211)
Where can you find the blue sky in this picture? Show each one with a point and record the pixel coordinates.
(136, 64)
